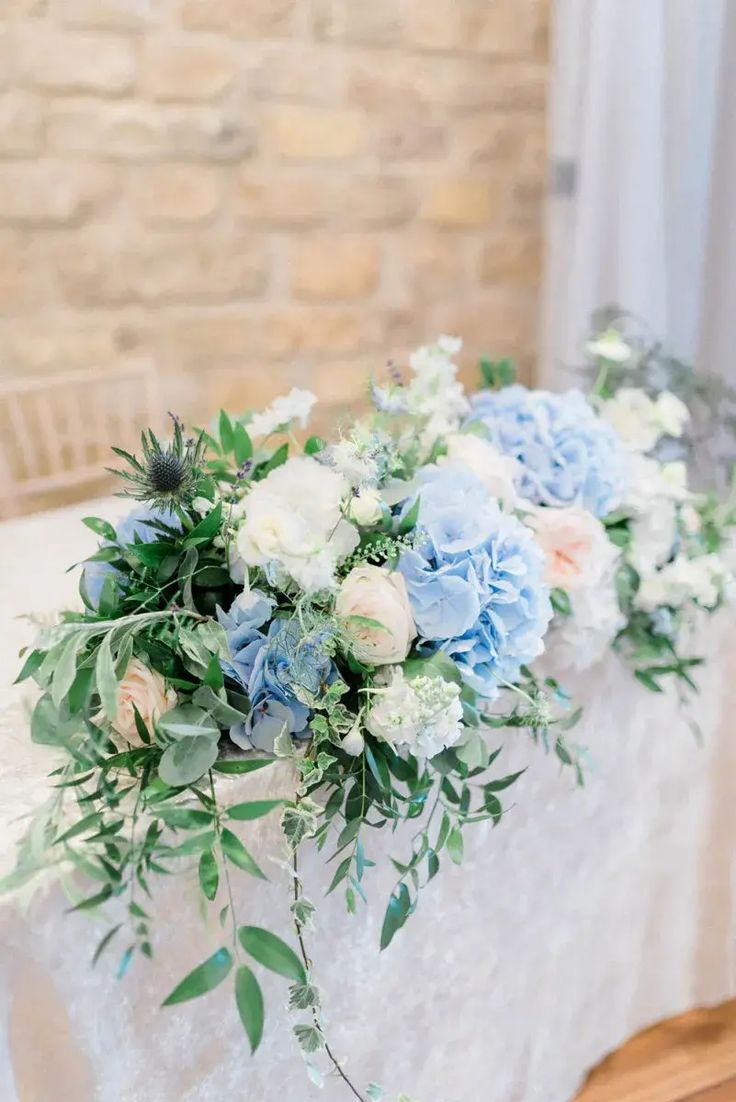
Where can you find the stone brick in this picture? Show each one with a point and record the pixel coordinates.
(497, 27)
(513, 259)
(500, 322)
(75, 62)
(334, 267)
(208, 134)
(106, 15)
(244, 386)
(378, 23)
(19, 275)
(195, 339)
(301, 71)
(281, 198)
(178, 193)
(462, 202)
(377, 201)
(6, 57)
(411, 135)
(170, 266)
(326, 331)
(21, 123)
(436, 265)
(314, 133)
(60, 345)
(124, 131)
(344, 383)
(492, 137)
(246, 18)
(181, 70)
(52, 192)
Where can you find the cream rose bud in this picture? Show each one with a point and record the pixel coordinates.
(377, 594)
(365, 507)
(145, 690)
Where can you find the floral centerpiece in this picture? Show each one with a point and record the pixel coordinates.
(364, 609)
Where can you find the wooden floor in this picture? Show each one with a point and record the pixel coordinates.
(687, 1059)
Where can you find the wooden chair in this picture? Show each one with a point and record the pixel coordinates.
(56, 431)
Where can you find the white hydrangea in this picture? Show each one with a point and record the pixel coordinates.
(610, 346)
(656, 492)
(641, 421)
(435, 392)
(294, 525)
(294, 406)
(424, 714)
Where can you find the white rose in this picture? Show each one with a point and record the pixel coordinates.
(145, 690)
(495, 470)
(365, 507)
(374, 593)
(578, 552)
(293, 520)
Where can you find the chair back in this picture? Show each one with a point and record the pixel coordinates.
(56, 431)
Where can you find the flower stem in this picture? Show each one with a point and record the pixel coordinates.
(307, 966)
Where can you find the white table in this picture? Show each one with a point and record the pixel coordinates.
(584, 917)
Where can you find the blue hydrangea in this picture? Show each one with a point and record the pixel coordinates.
(136, 526)
(279, 666)
(475, 582)
(567, 454)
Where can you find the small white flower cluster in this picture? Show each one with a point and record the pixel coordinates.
(294, 406)
(435, 394)
(424, 714)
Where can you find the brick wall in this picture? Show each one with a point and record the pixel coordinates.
(260, 192)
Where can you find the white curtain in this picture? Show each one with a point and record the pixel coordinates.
(642, 188)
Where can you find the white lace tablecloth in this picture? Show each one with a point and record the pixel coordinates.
(584, 917)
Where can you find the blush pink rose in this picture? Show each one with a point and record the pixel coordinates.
(145, 690)
(575, 544)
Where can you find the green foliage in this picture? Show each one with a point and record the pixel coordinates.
(496, 374)
(202, 979)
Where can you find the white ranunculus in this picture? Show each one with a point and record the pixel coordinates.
(293, 522)
(633, 416)
(703, 579)
(366, 507)
(610, 346)
(648, 480)
(294, 406)
(578, 552)
(653, 535)
(145, 690)
(496, 471)
(670, 413)
(424, 714)
(375, 593)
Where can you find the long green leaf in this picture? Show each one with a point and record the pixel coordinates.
(236, 852)
(66, 669)
(107, 682)
(209, 876)
(202, 979)
(242, 765)
(252, 809)
(273, 953)
(249, 1001)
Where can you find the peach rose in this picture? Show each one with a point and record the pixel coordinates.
(374, 593)
(144, 689)
(576, 546)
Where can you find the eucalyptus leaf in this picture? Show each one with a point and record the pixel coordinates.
(187, 760)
